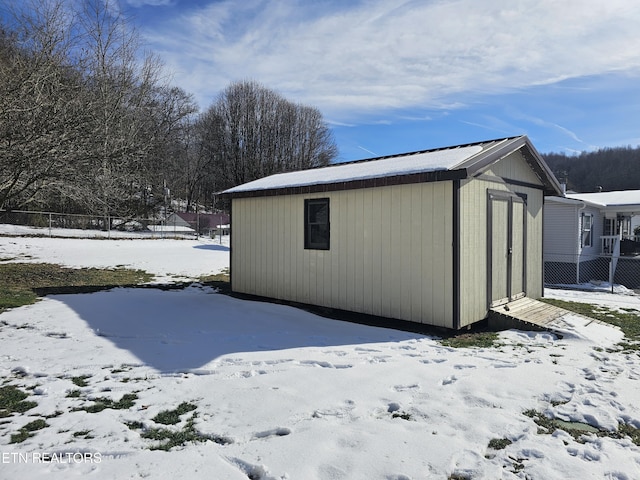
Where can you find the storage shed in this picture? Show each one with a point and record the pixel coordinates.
(436, 237)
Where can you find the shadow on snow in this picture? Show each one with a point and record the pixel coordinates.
(211, 246)
(186, 329)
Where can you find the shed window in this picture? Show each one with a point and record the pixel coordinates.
(587, 230)
(316, 224)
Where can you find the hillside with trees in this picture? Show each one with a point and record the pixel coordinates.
(616, 168)
(89, 124)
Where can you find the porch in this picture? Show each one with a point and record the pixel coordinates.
(627, 244)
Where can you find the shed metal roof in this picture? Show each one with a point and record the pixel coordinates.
(450, 163)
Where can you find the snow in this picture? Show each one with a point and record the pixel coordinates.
(291, 395)
(604, 199)
(401, 165)
(167, 259)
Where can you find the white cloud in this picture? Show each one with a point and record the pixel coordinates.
(350, 58)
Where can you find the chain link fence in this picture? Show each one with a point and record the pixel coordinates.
(52, 224)
(565, 270)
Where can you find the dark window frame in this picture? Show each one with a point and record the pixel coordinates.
(314, 227)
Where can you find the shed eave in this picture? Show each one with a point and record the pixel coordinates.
(405, 179)
(478, 164)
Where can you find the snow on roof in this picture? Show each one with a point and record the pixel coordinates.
(446, 159)
(609, 199)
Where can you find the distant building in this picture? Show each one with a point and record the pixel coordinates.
(585, 232)
(208, 224)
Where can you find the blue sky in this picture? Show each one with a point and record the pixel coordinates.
(393, 76)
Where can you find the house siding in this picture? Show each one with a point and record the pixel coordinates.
(587, 253)
(561, 242)
(390, 251)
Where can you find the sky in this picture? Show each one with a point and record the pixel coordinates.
(395, 76)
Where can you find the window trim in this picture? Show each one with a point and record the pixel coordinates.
(586, 234)
(308, 245)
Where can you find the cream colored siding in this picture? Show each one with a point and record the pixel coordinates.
(473, 234)
(535, 269)
(390, 251)
(473, 250)
(514, 167)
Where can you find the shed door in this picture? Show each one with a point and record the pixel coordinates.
(506, 248)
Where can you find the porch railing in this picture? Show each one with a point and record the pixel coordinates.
(608, 243)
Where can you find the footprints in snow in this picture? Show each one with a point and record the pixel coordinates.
(275, 432)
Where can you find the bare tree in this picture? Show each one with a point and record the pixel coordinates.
(87, 123)
(120, 88)
(41, 114)
(255, 132)
(82, 121)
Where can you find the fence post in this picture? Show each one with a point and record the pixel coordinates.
(611, 275)
(50, 221)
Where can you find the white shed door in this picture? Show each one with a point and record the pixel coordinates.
(506, 248)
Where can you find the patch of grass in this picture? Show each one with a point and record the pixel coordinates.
(221, 281)
(626, 430)
(21, 283)
(121, 369)
(12, 297)
(471, 340)
(627, 320)
(35, 425)
(74, 393)
(81, 381)
(172, 417)
(547, 426)
(402, 415)
(20, 437)
(86, 434)
(127, 401)
(174, 438)
(499, 443)
(26, 431)
(134, 425)
(12, 400)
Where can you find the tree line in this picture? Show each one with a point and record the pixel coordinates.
(89, 123)
(608, 169)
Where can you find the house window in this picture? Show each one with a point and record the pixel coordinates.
(316, 224)
(587, 230)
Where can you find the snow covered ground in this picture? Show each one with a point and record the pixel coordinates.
(284, 394)
(168, 259)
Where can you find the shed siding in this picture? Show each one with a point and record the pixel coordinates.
(390, 251)
(514, 167)
(473, 234)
